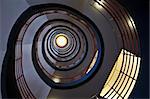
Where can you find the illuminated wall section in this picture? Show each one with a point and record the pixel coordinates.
(123, 76)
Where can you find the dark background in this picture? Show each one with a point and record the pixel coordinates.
(139, 10)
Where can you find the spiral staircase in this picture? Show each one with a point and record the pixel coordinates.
(69, 49)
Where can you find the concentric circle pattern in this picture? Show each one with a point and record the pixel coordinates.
(65, 46)
(59, 46)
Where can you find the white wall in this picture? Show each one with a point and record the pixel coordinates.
(10, 10)
(0, 41)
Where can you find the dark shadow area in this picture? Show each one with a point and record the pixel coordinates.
(139, 10)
